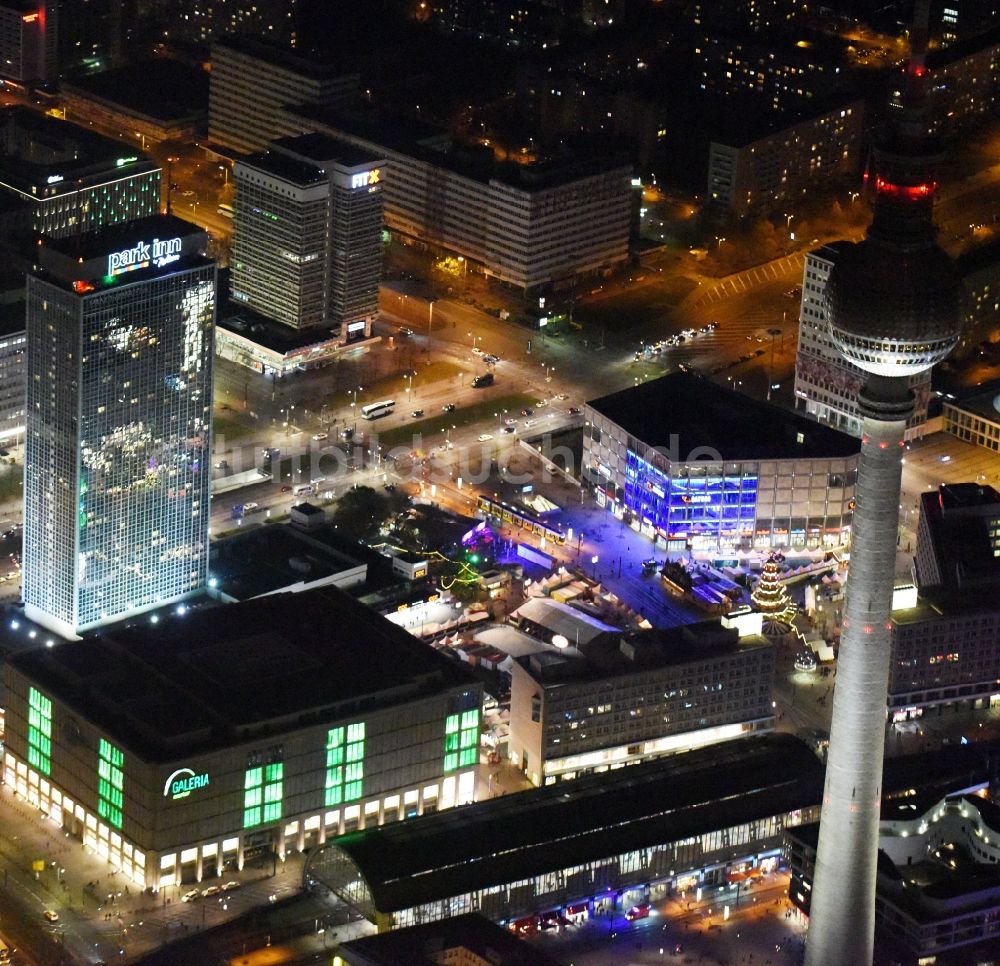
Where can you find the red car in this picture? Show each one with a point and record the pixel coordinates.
(637, 912)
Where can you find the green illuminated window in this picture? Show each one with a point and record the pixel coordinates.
(39, 731)
(345, 770)
(110, 783)
(461, 739)
(262, 793)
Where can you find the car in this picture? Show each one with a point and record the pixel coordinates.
(212, 890)
(562, 396)
(476, 351)
(574, 410)
(649, 566)
(527, 412)
(4, 452)
(229, 886)
(417, 413)
(510, 429)
(448, 408)
(406, 331)
(946, 459)
(540, 404)
(191, 896)
(490, 359)
(389, 487)
(222, 465)
(485, 437)
(712, 326)
(187, 193)
(286, 489)
(510, 422)
(51, 915)
(319, 436)
(347, 434)
(640, 911)
(249, 507)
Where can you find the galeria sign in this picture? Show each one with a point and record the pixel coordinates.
(159, 251)
(182, 782)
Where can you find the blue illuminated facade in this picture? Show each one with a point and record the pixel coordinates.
(718, 507)
(720, 472)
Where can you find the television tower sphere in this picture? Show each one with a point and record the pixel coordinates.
(894, 312)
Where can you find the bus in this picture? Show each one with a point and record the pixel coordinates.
(227, 211)
(518, 518)
(376, 410)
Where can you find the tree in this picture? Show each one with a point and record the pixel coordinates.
(361, 512)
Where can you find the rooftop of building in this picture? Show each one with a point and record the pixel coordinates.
(42, 155)
(220, 675)
(266, 559)
(84, 262)
(162, 89)
(958, 518)
(617, 654)
(424, 945)
(550, 617)
(274, 336)
(740, 122)
(322, 150)
(570, 823)
(687, 415)
(314, 68)
(474, 161)
(985, 404)
(302, 174)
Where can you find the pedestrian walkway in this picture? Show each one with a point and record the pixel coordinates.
(736, 284)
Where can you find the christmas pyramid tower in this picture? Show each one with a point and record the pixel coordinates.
(771, 599)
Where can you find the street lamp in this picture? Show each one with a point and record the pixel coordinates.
(409, 384)
(475, 340)
(770, 375)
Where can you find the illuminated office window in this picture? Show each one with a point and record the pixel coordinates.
(262, 793)
(345, 754)
(39, 731)
(461, 739)
(110, 783)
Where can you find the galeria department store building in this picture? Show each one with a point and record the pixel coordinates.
(179, 749)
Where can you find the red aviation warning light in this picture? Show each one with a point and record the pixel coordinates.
(905, 192)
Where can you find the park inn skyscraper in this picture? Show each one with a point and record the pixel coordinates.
(120, 327)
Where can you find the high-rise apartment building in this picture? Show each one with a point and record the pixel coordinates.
(118, 423)
(250, 83)
(826, 383)
(308, 242)
(758, 168)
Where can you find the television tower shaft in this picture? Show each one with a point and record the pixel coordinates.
(842, 907)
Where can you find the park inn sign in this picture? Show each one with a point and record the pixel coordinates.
(182, 782)
(158, 251)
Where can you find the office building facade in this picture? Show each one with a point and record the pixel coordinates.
(118, 423)
(530, 226)
(946, 633)
(70, 180)
(156, 747)
(693, 465)
(13, 358)
(622, 698)
(308, 240)
(976, 419)
(250, 84)
(827, 384)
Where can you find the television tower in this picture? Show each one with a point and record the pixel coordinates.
(893, 306)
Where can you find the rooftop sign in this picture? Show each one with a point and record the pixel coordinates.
(158, 252)
(366, 178)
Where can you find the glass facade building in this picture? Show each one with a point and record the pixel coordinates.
(734, 473)
(118, 428)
